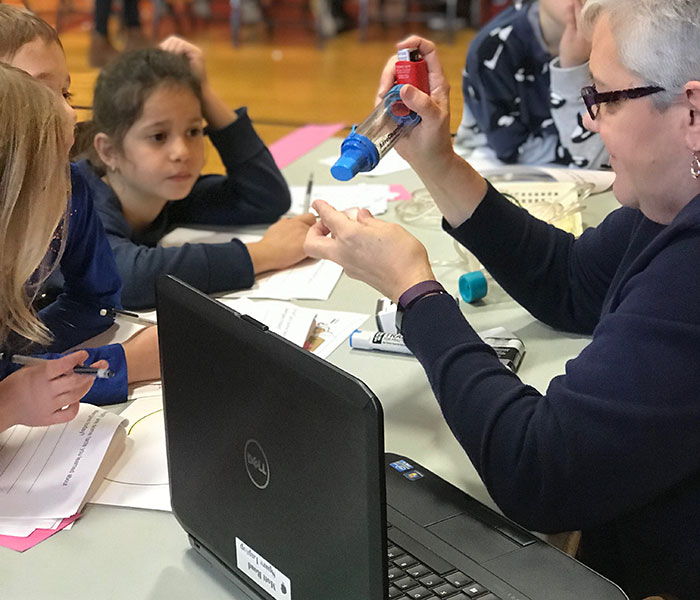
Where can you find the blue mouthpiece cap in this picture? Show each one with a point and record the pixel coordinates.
(349, 164)
(357, 154)
(472, 286)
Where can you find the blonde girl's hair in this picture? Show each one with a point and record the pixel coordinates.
(34, 196)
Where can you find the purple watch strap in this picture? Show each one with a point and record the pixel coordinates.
(418, 291)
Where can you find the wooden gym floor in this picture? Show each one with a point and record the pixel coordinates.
(285, 80)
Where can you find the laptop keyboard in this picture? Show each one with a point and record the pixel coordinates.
(419, 574)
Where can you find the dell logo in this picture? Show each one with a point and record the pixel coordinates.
(256, 464)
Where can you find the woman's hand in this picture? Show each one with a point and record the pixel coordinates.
(383, 255)
(282, 245)
(430, 142)
(455, 187)
(46, 393)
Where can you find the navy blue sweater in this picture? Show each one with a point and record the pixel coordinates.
(90, 282)
(613, 447)
(252, 191)
(520, 100)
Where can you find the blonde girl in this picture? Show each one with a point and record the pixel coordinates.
(36, 135)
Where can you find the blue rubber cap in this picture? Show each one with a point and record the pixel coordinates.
(349, 164)
(472, 286)
(357, 154)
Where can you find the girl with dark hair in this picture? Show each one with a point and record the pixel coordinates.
(145, 176)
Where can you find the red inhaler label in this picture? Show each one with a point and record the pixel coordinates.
(415, 73)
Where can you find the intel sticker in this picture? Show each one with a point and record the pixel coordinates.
(401, 465)
(262, 572)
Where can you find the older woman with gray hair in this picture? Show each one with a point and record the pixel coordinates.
(613, 446)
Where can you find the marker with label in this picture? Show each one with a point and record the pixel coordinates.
(28, 361)
(509, 348)
(378, 340)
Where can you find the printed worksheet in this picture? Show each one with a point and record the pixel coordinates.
(45, 472)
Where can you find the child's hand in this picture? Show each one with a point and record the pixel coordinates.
(574, 48)
(193, 54)
(282, 245)
(46, 393)
(142, 356)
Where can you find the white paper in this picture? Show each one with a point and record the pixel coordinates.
(140, 477)
(25, 527)
(45, 472)
(284, 318)
(332, 329)
(311, 279)
(391, 163)
(371, 196)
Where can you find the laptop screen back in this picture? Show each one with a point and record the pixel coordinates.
(275, 456)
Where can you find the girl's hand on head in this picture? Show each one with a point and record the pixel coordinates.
(193, 53)
(574, 48)
(282, 245)
(430, 141)
(383, 255)
(46, 393)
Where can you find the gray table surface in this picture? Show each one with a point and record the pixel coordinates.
(119, 553)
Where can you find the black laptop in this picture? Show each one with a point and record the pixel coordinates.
(278, 475)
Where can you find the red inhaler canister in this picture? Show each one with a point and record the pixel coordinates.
(410, 68)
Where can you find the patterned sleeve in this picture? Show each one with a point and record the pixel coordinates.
(585, 147)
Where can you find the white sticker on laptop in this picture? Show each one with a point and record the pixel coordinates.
(270, 579)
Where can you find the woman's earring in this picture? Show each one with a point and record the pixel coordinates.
(695, 167)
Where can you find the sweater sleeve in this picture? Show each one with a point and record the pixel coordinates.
(612, 433)
(103, 391)
(252, 191)
(91, 279)
(208, 267)
(526, 255)
(585, 147)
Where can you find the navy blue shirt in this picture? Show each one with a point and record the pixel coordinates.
(252, 191)
(90, 282)
(613, 446)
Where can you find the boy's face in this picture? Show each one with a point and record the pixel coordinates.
(557, 10)
(46, 62)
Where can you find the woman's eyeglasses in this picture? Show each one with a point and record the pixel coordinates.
(592, 98)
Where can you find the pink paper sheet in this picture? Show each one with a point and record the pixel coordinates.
(300, 141)
(403, 193)
(20, 544)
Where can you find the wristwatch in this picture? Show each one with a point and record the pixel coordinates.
(413, 294)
